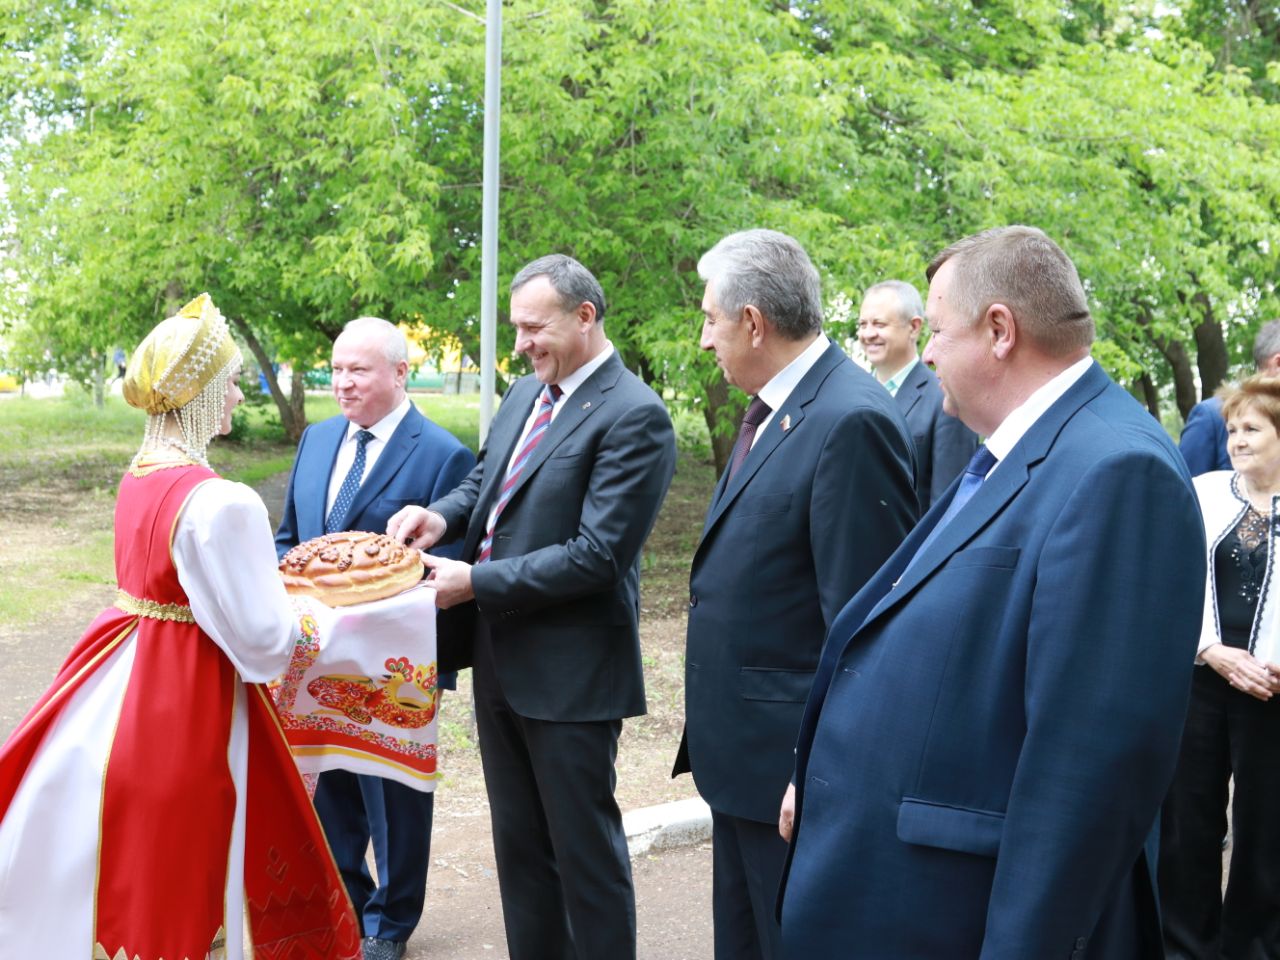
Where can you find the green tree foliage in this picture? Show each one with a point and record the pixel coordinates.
(307, 164)
(268, 152)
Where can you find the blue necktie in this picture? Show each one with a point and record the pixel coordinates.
(351, 483)
(980, 465)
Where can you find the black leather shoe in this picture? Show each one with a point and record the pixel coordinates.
(375, 948)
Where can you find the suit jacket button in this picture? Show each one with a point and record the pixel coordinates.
(693, 600)
(1081, 943)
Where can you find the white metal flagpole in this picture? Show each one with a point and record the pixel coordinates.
(489, 213)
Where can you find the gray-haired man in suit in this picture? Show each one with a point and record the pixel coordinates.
(889, 327)
(817, 495)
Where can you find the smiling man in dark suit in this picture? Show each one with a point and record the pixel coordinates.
(817, 494)
(352, 472)
(552, 519)
(889, 325)
(996, 716)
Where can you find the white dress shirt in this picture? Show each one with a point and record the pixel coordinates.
(567, 387)
(1015, 426)
(784, 382)
(382, 431)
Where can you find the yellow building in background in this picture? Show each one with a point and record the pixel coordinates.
(436, 362)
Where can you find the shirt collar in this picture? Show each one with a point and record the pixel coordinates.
(894, 383)
(384, 428)
(1023, 418)
(778, 389)
(576, 379)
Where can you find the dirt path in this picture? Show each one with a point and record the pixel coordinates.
(463, 919)
(29, 659)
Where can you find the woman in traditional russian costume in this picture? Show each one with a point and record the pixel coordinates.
(149, 806)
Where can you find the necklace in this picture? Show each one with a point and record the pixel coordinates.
(153, 449)
(1253, 496)
(1253, 528)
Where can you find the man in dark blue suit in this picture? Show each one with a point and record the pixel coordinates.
(889, 325)
(1203, 443)
(996, 716)
(352, 472)
(816, 497)
(1204, 435)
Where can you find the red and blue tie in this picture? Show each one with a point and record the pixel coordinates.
(546, 401)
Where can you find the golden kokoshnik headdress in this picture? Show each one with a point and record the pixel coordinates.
(178, 375)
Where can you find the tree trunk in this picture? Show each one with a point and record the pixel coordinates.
(298, 400)
(1184, 381)
(646, 373)
(1211, 348)
(1150, 394)
(292, 409)
(99, 383)
(720, 407)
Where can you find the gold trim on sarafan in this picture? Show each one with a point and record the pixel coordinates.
(218, 949)
(146, 464)
(173, 529)
(138, 607)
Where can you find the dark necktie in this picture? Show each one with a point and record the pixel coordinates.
(546, 403)
(350, 484)
(975, 473)
(757, 410)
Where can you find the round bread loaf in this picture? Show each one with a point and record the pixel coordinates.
(340, 569)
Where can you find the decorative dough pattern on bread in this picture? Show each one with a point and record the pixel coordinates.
(341, 569)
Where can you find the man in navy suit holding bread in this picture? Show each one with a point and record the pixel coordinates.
(352, 472)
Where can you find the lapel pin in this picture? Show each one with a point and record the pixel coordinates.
(586, 405)
(786, 422)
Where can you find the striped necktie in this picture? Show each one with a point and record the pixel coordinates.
(546, 402)
(350, 484)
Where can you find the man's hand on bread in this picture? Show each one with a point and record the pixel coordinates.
(451, 578)
(417, 526)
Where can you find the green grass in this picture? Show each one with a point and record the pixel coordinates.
(60, 463)
(457, 413)
(72, 434)
(61, 460)
(58, 566)
(30, 426)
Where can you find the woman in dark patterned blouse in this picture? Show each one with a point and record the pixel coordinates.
(1233, 725)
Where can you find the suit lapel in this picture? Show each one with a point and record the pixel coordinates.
(789, 415)
(1000, 488)
(502, 440)
(315, 495)
(580, 405)
(398, 447)
(912, 388)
